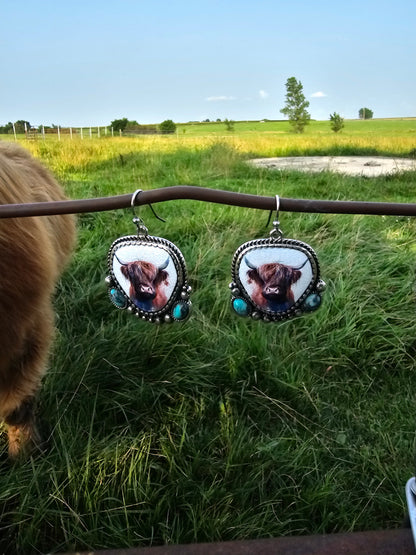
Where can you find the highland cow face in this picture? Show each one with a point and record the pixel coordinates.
(146, 274)
(273, 284)
(146, 283)
(274, 278)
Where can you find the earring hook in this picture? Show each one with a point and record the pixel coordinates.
(276, 232)
(133, 203)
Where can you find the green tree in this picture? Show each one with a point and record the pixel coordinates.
(365, 113)
(19, 125)
(229, 124)
(119, 124)
(296, 105)
(8, 128)
(167, 126)
(337, 122)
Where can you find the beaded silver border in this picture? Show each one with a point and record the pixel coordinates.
(316, 286)
(180, 294)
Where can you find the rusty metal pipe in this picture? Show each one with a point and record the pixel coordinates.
(192, 192)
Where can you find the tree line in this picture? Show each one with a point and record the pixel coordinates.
(123, 125)
(295, 109)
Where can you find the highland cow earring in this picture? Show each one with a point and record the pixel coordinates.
(147, 276)
(275, 279)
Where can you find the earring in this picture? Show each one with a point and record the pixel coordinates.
(274, 279)
(147, 275)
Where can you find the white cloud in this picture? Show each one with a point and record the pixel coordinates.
(263, 94)
(318, 94)
(219, 98)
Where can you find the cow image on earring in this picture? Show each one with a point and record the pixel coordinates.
(147, 276)
(275, 278)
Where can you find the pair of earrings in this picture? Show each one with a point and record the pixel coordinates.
(273, 279)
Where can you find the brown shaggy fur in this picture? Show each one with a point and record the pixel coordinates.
(33, 253)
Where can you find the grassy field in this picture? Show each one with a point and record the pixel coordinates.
(222, 428)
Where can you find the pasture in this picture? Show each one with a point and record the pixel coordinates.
(224, 428)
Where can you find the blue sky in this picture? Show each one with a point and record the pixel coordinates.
(88, 62)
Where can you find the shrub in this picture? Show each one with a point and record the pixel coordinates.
(337, 122)
(167, 126)
(365, 113)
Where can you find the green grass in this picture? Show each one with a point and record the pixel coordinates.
(391, 127)
(221, 428)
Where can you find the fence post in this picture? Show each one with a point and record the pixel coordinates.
(112, 131)
(90, 133)
(98, 132)
(14, 132)
(43, 132)
(82, 135)
(59, 134)
(70, 132)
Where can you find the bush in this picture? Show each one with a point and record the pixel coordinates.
(337, 122)
(229, 124)
(365, 113)
(167, 126)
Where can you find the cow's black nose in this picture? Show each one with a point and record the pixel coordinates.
(271, 291)
(147, 292)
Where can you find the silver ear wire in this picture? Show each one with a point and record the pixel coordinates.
(141, 228)
(133, 200)
(133, 203)
(276, 232)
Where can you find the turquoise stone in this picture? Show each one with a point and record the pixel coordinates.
(118, 298)
(312, 302)
(180, 311)
(241, 307)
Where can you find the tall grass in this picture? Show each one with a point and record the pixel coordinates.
(221, 428)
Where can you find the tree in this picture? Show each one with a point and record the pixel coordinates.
(167, 126)
(229, 124)
(21, 125)
(8, 128)
(337, 122)
(119, 124)
(296, 105)
(365, 113)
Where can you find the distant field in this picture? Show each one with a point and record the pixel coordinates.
(391, 137)
(390, 127)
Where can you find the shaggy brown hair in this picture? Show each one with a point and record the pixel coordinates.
(33, 253)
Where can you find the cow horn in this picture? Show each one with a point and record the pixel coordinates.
(301, 266)
(118, 260)
(249, 264)
(165, 264)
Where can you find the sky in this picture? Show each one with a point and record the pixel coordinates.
(86, 63)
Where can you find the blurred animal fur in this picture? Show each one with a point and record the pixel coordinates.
(33, 253)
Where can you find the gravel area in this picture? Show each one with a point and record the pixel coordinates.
(368, 166)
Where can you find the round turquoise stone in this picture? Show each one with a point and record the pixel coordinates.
(118, 298)
(181, 311)
(241, 307)
(312, 302)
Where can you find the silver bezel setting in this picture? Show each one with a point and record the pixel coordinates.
(311, 294)
(179, 296)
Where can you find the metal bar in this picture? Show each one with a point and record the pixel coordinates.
(383, 542)
(191, 192)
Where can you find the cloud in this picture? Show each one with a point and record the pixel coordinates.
(318, 94)
(263, 94)
(219, 98)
